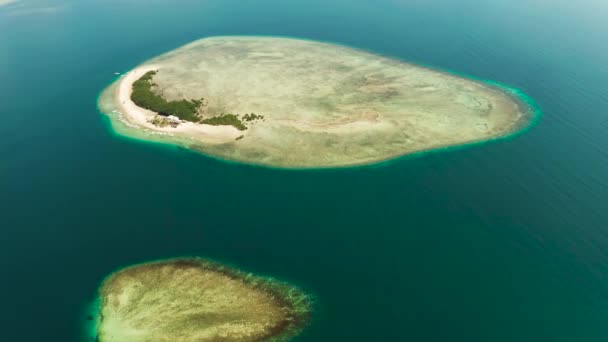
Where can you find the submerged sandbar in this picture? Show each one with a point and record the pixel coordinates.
(316, 104)
(197, 300)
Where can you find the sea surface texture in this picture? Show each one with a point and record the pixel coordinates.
(503, 241)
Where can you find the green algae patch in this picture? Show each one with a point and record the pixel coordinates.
(193, 299)
(317, 105)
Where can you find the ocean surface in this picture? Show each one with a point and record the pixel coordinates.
(504, 241)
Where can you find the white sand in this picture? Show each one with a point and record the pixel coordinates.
(142, 117)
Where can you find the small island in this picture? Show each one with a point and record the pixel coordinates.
(294, 103)
(197, 300)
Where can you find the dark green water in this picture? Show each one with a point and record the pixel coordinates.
(501, 242)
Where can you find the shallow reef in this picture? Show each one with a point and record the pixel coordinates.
(194, 299)
(323, 105)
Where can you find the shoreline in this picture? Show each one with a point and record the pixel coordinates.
(139, 116)
(528, 115)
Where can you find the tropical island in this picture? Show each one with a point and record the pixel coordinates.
(294, 103)
(194, 299)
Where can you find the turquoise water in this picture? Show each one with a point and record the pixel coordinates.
(498, 242)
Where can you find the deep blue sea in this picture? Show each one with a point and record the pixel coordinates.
(505, 241)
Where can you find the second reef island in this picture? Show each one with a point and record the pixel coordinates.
(295, 103)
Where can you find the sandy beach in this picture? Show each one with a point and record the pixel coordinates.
(142, 117)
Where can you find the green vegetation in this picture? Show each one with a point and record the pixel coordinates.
(226, 119)
(252, 117)
(144, 97)
(162, 121)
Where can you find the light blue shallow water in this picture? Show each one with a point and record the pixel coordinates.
(497, 242)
